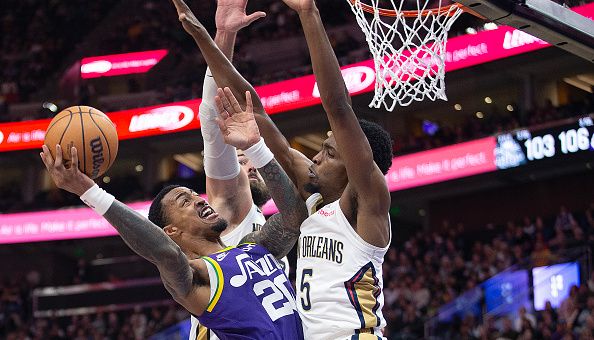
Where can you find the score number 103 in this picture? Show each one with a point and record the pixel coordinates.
(571, 140)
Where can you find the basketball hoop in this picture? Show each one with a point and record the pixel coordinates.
(408, 48)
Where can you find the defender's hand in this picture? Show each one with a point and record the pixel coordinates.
(231, 15)
(70, 179)
(189, 21)
(238, 126)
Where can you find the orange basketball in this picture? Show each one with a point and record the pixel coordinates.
(92, 133)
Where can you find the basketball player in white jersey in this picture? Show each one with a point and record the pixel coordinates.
(234, 187)
(342, 245)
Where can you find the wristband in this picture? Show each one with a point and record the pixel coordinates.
(259, 154)
(97, 199)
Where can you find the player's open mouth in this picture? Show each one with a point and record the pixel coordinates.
(207, 212)
(312, 173)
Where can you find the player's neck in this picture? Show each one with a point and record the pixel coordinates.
(331, 195)
(199, 247)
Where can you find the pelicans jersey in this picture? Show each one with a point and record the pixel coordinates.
(253, 221)
(339, 278)
(251, 297)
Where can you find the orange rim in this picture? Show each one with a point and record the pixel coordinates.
(444, 10)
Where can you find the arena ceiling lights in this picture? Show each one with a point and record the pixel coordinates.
(120, 64)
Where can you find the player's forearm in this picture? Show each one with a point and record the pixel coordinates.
(333, 92)
(149, 241)
(222, 70)
(225, 40)
(141, 235)
(285, 195)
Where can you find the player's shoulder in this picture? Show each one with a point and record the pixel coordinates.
(253, 249)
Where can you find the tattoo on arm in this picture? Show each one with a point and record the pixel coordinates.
(281, 231)
(151, 242)
(285, 195)
(274, 237)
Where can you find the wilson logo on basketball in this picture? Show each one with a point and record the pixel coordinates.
(98, 160)
(356, 79)
(165, 118)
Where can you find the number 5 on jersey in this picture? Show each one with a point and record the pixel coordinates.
(305, 287)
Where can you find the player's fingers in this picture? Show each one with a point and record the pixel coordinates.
(249, 106)
(58, 161)
(74, 158)
(226, 103)
(180, 5)
(46, 157)
(234, 103)
(254, 16)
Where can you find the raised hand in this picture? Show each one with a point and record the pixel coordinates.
(189, 21)
(238, 126)
(231, 15)
(70, 179)
(301, 5)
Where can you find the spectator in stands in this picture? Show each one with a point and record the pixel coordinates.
(523, 317)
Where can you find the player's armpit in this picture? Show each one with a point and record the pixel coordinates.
(274, 237)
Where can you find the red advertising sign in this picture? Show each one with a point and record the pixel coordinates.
(119, 64)
(442, 164)
(135, 123)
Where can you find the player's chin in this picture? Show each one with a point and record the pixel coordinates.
(219, 225)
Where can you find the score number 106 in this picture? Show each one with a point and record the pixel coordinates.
(571, 141)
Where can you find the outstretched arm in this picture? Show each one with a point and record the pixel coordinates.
(226, 75)
(239, 128)
(227, 187)
(366, 182)
(141, 235)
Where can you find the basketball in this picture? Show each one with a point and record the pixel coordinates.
(92, 133)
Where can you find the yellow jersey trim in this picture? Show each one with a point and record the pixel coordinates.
(220, 284)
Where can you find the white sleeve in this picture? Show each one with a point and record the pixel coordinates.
(220, 159)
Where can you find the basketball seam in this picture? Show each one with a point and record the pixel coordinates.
(104, 137)
(65, 129)
(54, 124)
(82, 130)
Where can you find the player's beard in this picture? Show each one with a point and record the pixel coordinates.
(311, 188)
(220, 226)
(260, 194)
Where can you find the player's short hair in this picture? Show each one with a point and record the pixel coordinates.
(380, 142)
(156, 214)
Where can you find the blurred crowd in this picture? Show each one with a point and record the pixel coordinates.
(430, 270)
(36, 35)
(421, 274)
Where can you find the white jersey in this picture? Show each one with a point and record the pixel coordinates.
(339, 277)
(253, 221)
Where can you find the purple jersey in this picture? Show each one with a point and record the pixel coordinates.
(251, 297)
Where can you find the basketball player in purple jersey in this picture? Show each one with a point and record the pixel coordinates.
(239, 293)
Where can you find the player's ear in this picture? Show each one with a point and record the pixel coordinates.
(171, 230)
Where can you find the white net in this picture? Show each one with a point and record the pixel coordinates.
(409, 53)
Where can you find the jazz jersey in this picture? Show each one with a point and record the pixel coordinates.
(253, 221)
(339, 277)
(251, 297)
